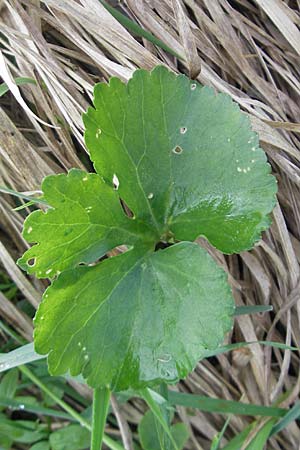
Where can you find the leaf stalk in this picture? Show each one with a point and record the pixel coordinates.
(101, 401)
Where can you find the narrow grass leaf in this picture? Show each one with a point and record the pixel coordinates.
(139, 31)
(290, 416)
(217, 439)
(6, 190)
(238, 440)
(255, 309)
(230, 347)
(15, 358)
(9, 384)
(33, 408)
(261, 438)
(19, 81)
(221, 406)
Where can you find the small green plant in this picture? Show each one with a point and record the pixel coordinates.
(174, 161)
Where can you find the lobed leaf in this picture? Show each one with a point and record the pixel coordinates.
(186, 163)
(86, 220)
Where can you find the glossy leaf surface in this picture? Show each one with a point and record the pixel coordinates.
(135, 319)
(185, 162)
(153, 437)
(186, 158)
(86, 220)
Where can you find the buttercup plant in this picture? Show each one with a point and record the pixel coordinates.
(186, 163)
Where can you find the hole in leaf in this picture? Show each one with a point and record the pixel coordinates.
(183, 130)
(126, 209)
(116, 182)
(150, 195)
(177, 150)
(161, 245)
(31, 262)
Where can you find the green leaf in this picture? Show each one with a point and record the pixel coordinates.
(86, 220)
(19, 81)
(216, 442)
(221, 406)
(151, 437)
(237, 345)
(23, 404)
(21, 355)
(185, 157)
(7, 190)
(262, 436)
(161, 420)
(72, 437)
(180, 434)
(185, 162)
(253, 309)
(23, 431)
(116, 305)
(257, 443)
(135, 28)
(238, 440)
(290, 416)
(42, 445)
(9, 384)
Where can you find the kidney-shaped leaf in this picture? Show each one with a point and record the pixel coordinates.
(135, 319)
(186, 158)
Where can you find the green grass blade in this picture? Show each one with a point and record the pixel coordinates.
(113, 445)
(20, 356)
(255, 309)
(220, 406)
(26, 205)
(6, 190)
(35, 409)
(9, 331)
(217, 439)
(135, 28)
(101, 400)
(230, 347)
(238, 440)
(19, 81)
(261, 438)
(289, 417)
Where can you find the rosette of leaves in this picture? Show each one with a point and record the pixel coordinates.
(173, 161)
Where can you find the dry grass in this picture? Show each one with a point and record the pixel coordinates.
(249, 49)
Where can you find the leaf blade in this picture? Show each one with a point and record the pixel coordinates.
(223, 406)
(125, 291)
(198, 146)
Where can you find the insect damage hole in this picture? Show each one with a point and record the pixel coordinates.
(193, 86)
(177, 150)
(183, 130)
(116, 182)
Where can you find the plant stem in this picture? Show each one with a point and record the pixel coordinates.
(100, 409)
(113, 445)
